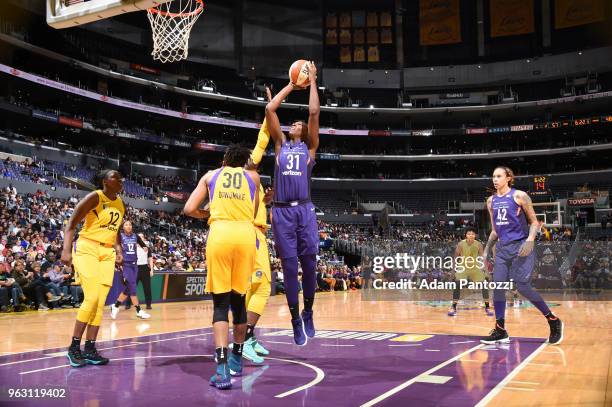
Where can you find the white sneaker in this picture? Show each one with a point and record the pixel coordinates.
(114, 311)
(143, 315)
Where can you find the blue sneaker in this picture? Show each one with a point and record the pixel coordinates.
(249, 353)
(92, 357)
(489, 312)
(75, 357)
(235, 364)
(259, 348)
(299, 336)
(452, 312)
(309, 328)
(222, 379)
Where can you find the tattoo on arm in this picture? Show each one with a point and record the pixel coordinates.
(527, 205)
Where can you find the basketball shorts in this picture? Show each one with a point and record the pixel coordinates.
(295, 230)
(92, 260)
(475, 275)
(510, 266)
(130, 278)
(259, 288)
(230, 256)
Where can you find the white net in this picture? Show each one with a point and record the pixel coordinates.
(171, 24)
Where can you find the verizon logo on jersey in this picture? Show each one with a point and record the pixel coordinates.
(291, 172)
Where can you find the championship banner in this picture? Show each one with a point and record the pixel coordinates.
(511, 17)
(440, 22)
(571, 13)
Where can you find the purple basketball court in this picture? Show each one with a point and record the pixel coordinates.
(349, 368)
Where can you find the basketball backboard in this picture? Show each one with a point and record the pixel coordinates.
(70, 13)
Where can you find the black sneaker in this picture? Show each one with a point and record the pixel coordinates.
(497, 335)
(75, 357)
(556, 331)
(92, 357)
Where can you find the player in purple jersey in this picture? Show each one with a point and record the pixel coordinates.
(129, 242)
(294, 221)
(514, 226)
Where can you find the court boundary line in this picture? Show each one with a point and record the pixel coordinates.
(402, 386)
(62, 351)
(500, 386)
(117, 359)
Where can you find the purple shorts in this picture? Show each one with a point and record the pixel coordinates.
(509, 266)
(295, 230)
(130, 278)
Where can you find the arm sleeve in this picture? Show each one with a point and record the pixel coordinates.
(262, 142)
(140, 242)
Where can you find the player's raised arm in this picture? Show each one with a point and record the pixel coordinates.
(314, 109)
(272, 118)
(197, 197)
(263, 138)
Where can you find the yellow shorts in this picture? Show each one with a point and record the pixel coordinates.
(259, 288)
(474, 275)
(262, 260)
(230, 256)
(94, 262)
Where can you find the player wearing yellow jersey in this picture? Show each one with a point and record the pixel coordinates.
(230, 252)
(94, 256)
(467, 268)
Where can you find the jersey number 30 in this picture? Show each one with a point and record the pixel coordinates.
(235, 180)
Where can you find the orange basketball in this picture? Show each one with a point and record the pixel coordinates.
(298, 73)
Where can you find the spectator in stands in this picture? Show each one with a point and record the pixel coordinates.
(10, 289)
(33, 287)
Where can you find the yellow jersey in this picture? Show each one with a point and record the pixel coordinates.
(232, 195)
(261, 220)
(103, 222)
(468, 250)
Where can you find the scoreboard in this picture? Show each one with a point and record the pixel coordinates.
(539, 185)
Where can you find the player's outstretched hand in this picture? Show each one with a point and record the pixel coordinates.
(312, 73)
(526, 248)
(119, 259)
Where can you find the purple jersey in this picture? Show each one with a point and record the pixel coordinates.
(509, 218)
(128, 245)
(292, 173)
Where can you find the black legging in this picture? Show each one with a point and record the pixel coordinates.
(145, 278)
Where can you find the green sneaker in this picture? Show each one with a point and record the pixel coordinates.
(248, 352)
(259, 348)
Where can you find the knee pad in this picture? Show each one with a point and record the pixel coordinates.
(221, 305)
(239, 315)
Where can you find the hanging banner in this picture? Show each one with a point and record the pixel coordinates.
(511, 17)
(570, 13)
(440, 22)
(69, 121)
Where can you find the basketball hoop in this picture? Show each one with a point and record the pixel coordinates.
(171, 24)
